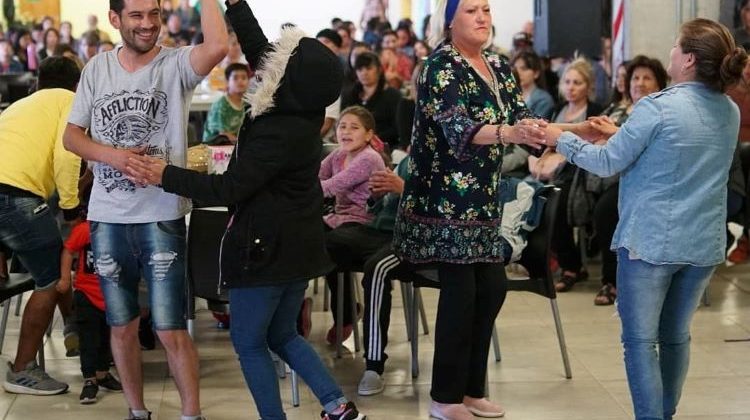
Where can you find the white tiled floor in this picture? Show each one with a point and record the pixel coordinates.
(529, 381)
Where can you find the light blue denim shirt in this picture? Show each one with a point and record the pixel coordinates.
(673, 155)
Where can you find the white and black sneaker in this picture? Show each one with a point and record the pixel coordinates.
(88, 393)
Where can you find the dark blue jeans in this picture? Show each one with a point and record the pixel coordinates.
(265, 318)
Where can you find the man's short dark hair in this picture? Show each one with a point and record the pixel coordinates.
(58, 72)
(236, 67)
(117, 5)
(331, 35)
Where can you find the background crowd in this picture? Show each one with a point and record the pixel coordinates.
(370, 129)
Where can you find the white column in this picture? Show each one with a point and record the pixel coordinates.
(652, 25)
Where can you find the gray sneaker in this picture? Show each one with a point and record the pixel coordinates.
(370, 384)
(33, 381)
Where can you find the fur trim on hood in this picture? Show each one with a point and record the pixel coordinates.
(271, 71)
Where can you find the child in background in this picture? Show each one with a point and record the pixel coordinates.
(226, 115)
(93, 331)
(345, 175)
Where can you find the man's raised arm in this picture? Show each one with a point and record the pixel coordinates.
(208, 54)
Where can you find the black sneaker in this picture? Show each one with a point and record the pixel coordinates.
(132, 416)
(88, 393)
(109, 383)
(346, 411)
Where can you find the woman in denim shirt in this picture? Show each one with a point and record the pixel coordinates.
(673, 155)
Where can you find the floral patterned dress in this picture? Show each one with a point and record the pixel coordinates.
(449, 211)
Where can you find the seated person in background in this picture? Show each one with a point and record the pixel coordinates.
(577, 88)
(89, 46)
(8, 62)
(528, 69)
(332, 40)
(370, 91)
(344, 174)
(181, 36)
(65, 50)
(217, 79)
(620, 100)
(366, 246)
(226, 115)
(396, 65)
(105, 46)
(234, 53)
(91, 322)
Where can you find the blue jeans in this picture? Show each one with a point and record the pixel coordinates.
(656, 305)
(266, 317)
(29, 229)
(122, 252)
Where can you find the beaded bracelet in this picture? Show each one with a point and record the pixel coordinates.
(500, 134)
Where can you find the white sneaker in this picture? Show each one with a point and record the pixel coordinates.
(370, 384)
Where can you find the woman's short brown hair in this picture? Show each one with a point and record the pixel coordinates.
(653, 64)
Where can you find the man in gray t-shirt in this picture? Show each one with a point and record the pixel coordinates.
(135, 100)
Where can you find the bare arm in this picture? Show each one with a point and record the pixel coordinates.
(66, 266)
(75, 140)
(207, 55)
(327, 124)
(528, 132)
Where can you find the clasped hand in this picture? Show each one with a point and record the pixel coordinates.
(146, 170)
(531, 132)
(594, 130)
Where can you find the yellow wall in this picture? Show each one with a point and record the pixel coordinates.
(77, 11)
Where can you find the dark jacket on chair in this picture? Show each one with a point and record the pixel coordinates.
(275, 234)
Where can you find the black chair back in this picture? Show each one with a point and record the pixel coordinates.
(535, 258)
(207, 227)
(15, 86)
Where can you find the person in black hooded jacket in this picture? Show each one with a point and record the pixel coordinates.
(274, 242)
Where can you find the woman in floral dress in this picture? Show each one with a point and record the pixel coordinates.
(469, 107)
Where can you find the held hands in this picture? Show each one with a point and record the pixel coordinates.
(594, 130)
(146, 170)
(604, 126)
(385, 181)
(531, 132)
(119, 159)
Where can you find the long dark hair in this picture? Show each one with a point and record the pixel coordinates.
(533, 62)
(367, 59)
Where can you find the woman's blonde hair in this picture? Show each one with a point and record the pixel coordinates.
(583, 67)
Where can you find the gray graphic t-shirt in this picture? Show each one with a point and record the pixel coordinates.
(145, 109)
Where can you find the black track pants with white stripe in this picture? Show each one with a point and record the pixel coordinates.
(380, 270)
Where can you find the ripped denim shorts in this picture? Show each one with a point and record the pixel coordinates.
(125, 253)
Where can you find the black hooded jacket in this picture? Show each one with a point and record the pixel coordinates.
(275, 234)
